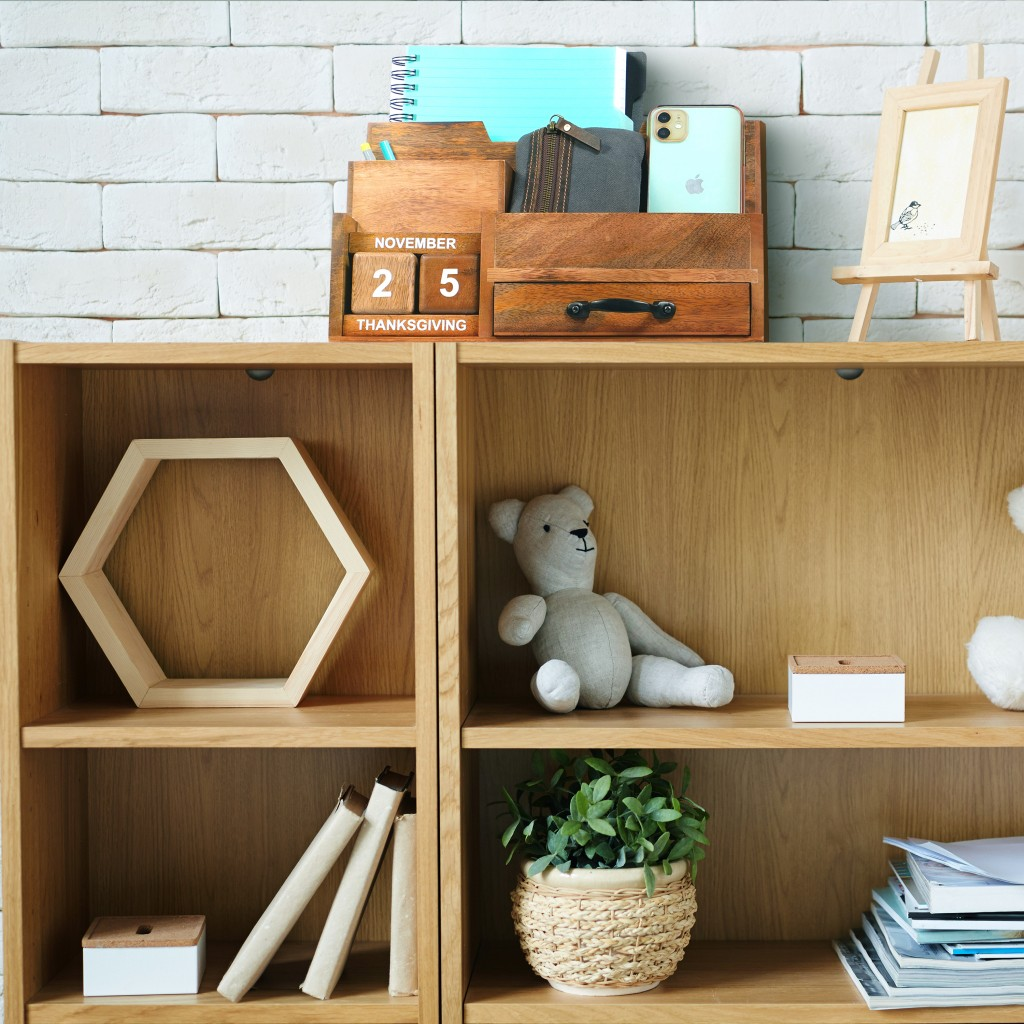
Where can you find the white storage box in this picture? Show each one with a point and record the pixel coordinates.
(846, 689)
(144, 956)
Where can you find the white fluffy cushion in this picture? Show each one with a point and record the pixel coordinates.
(995, 657)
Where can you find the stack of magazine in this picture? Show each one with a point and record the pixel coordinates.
(947, 930)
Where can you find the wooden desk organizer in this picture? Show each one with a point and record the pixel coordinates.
(543, 273)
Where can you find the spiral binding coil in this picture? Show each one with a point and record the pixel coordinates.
(401, 88)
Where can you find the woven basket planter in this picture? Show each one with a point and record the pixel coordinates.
(596, 931)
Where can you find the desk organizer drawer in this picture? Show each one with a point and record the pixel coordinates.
(671, 308)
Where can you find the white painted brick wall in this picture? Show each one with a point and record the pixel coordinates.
(221, 215)
(215, 79)
(809, 22)
(161, 147)
(169, 284)
(615, 23)
(323, 22)
(113, 22)
(49, 82)
(49, 215)
(56, 328)
(274, 283)
(227, 127)
(224, 329)
(760, 82)
(288, 148)
(956, 21)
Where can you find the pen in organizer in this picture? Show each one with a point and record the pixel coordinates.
(385, 148)
(367, 151)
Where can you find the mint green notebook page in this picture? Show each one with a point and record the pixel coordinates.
(517, 89)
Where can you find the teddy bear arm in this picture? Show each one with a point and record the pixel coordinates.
(646, 637)
(521, 619)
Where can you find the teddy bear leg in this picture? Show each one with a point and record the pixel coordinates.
(663, 683)
(556, 686)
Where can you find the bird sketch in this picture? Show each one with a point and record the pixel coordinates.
(908, 215)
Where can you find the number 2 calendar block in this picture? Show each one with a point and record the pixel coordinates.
(449, 284)
(383, 282)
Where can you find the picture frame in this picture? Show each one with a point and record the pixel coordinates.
(931, 193)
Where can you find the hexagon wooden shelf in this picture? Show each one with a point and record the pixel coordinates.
(109, 621)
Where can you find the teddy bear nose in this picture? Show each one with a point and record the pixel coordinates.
(579, 533)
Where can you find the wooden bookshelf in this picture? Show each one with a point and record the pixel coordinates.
(111, 809)
(756, 505)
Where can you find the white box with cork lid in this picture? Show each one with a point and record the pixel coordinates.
(144, 956)
(833, 688)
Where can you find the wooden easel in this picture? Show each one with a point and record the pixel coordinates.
(980, 319)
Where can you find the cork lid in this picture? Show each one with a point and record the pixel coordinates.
(841, 664)
(144, 932)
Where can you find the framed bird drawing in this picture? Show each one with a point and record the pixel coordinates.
(931, 193)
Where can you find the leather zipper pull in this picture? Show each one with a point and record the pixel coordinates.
(559, 124)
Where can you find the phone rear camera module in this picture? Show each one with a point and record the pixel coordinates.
(664, 117)
(663, 133)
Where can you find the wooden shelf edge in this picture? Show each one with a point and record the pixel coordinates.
(350, 354)
(751, 722)
(362, 995)
(730, 354)
(717, 983)
(320, 722)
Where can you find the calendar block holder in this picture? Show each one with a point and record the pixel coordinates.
(349, 238)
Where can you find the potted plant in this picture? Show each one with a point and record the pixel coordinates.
(605, 900)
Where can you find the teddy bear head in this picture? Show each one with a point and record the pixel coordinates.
(551, 537)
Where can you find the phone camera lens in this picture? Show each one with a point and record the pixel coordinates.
(664, 116)
(663, 133)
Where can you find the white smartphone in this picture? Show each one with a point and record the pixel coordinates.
(695, 160)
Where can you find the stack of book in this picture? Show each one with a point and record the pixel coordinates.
(947, 930)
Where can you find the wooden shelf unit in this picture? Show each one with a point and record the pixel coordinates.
(756, 505)
(109, 809)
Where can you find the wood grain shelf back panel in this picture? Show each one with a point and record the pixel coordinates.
(759, 512)
(356, 425)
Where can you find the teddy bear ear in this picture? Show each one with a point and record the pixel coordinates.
(1015, 502)
(580, 497)
(504, 518)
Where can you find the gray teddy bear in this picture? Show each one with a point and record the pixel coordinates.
(592, 650)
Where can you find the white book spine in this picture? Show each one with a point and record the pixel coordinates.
(402, 979)
(336, 940)
(292, 898)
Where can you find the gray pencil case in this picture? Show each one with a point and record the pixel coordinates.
(562, 168)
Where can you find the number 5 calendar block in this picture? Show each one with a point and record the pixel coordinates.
(449, 284)
(383, 282)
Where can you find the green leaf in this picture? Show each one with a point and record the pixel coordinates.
(634, 805)
(506, 836)
(666, 814)
(601, 787)
(696, 835)
(600, 765)
(557, 777)
(659, 846)
(681, 849)
(582, 837)
(649, 879)
(602, 826)
(540, 864)
(513, 806)
(600, 809)
(511, 854)
(528, 831)
(640, 771)
(666, 866)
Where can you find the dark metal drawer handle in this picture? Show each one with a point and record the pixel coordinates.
(659, 310)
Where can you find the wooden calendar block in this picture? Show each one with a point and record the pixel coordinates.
(383, 282)
(449, 284)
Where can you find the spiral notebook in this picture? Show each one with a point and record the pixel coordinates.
(516, 89)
